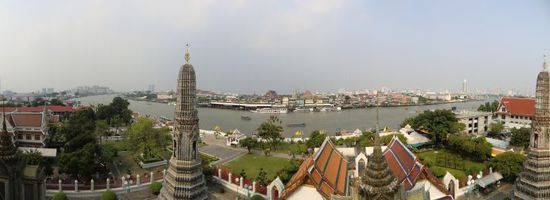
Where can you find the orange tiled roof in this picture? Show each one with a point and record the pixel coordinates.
(326, 169)
(518, 106)
(406, 167)
(31, 120)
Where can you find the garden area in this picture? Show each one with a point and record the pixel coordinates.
(251, 164)
(441, 160)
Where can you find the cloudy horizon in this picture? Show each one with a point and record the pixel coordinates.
(251, 46)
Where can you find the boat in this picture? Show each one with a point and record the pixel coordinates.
(296, 125)
(303, 110)
(245, 118)
(271, 110)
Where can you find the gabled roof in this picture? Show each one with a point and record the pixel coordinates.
(403, 163)
(407, 168)
(518, 106)
(326, 170)
(26, 119)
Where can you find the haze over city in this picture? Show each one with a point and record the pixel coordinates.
(254, 46)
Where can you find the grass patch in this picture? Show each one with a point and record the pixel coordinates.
(466, 166)
(252, 163)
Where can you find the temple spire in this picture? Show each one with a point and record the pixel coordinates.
(545, 63)
(187, 56)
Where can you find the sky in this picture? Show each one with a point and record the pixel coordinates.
(250, 46)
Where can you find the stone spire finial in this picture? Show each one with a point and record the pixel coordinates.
(545, 63)
(187, 56)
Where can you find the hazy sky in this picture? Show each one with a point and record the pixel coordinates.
(256, 45)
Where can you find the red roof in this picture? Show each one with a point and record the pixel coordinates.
(518, 106)
(52, 108)
(406, 167)
(31, 120)
(326, 170)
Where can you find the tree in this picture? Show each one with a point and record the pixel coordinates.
(80, 150)
(316, 138)
(271, 130)
(476, 148)
(248, 143)
(262, 177)
(217, 130)
(496, 128)
(488, 106)
(509, 164)
(242, 174)
(256, 197)
(436, 123)
(145, 140)
(56, 102)
(33, 157)
(101, 129)
(520, 137)
(80, 164)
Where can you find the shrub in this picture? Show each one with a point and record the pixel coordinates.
(438, 171)
(108, 195)
(59, 196)
(256, 197)
(155, 188)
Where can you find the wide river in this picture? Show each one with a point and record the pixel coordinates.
(329, 121)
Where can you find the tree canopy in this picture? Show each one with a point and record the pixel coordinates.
(116, 113)
(509, 164)
(520, 137)
(143, 138)
(436, 123)
(316, 138)
(271, 131)
(488, 106)
(248, 143)
(476, 148)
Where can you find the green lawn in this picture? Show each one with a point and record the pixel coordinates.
(252, 163)
(430, 158)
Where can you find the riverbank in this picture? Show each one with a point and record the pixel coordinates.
(328, 121)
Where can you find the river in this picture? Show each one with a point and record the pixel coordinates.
(329, 121)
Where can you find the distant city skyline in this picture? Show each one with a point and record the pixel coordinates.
(250, 46)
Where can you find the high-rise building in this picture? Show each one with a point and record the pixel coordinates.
(534, 182)
(464, 86)
(184, 178)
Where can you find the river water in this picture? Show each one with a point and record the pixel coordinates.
(328, 121)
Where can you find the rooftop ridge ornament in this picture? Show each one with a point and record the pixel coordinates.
(187, 56)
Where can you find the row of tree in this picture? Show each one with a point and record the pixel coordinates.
(437, 124)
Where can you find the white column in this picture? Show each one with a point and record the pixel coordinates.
(108, 184)
(59, 185)
(254, 187)
(229, 179)
(137, 180)
(75, 185)
(92, 184)
(163, 175)
(151, 178)
(241, 182)
(220, 173)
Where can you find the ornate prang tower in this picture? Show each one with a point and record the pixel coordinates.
(534, 182)
(378, 181)
(184, 179)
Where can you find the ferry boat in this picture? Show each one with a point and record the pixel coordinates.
(296, 125)
(245, 118)
(271, 110)
(303, 110)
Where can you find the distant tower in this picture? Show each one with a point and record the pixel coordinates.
(534, 182)
(184, 179)
(465, 86)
